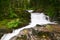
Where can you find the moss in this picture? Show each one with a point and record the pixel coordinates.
(24, 17)
(16, 18)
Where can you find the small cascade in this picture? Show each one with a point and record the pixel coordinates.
(36, 18)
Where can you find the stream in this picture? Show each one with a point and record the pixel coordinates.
(36, 18)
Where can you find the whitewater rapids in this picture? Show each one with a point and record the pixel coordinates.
(36, 18)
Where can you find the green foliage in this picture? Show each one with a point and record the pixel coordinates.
(2, 24)
(51, 7)
(13, 23)
(11, 13)
(24, 16)
(13, 9)
(50, 11)
(15, 18)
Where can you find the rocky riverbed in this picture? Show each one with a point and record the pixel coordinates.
(45, 32)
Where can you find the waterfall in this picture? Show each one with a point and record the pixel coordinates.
(36, 18)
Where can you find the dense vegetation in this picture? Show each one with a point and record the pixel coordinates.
(12, 12)
(51, 7)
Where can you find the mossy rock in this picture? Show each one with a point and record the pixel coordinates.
(23, 16)
(16, 18)
(9, 22)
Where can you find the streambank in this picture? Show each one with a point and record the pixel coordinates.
(39, 33)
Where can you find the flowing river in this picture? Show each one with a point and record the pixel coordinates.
(36, 18)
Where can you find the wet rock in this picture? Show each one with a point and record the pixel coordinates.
(38, 33)
(38, 10)
(24, 17)
(4, 31)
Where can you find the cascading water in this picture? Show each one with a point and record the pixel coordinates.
(36, 18)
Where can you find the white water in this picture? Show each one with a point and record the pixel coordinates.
(36, 18)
